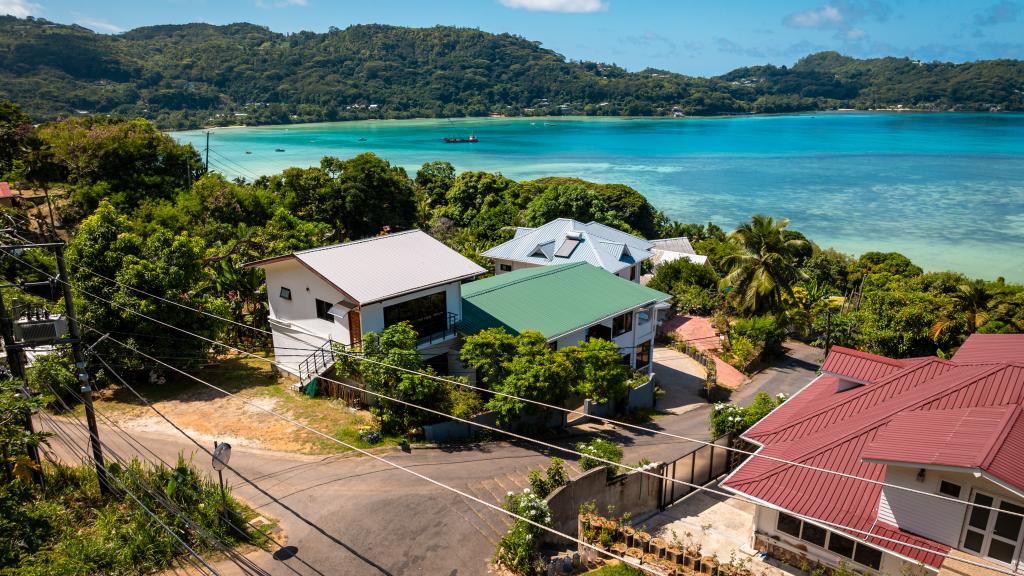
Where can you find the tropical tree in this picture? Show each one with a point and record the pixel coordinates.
(765, 268)
(394, 373)
(973, 302)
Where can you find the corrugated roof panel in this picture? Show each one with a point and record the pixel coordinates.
(986, 348)
(377, 268)
(553, 300)
(592, 237)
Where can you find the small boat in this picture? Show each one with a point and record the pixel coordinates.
(248, 151)
(472, 139)
(278, 149)
(362, 139)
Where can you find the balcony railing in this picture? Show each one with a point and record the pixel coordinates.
(449, 329)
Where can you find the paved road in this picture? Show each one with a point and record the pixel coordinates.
(354, 515)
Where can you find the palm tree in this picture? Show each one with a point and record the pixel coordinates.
(972, 301)
(765, 267)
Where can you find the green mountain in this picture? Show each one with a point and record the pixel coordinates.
(199, 74)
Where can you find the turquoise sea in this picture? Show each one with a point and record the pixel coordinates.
(945, 189)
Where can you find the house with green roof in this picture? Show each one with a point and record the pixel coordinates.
(567, 303)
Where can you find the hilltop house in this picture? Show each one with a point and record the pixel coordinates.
(564, 241)
(567, 303)
(339, 293)
(923, 426)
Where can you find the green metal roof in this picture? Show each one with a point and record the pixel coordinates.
(553, 300)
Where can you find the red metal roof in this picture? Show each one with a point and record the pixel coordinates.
(859, 366)
(980, 348)
(5, 190)
(922, 409)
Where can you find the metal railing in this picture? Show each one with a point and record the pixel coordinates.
(450, 330)
(317, 362)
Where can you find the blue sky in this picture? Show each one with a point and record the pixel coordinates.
(700, 37)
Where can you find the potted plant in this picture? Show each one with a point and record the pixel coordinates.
(658, 546)
(641, 540)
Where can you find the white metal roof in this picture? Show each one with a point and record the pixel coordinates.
(669, 249)
(592, 242)
(382, 267)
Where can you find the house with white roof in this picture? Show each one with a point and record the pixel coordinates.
(566, 241)
(336, 294)
(669, 249)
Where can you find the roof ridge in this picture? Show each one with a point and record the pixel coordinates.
(359, 241)
(904, 370)
(546, 271)
(899, 363)
(908, 405)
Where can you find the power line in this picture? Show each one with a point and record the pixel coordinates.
(359, 357)
(848, 529)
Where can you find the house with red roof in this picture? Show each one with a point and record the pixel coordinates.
(892, 466)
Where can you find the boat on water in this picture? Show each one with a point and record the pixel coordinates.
(362, 139)
(248, 151)
(472, 139)
(278, 149)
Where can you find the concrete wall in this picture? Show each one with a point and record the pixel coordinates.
(642, 397)
(454, 430)
(636, 493)
(299, 313)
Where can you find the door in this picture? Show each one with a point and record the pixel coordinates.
(355, 329)
(993, 534)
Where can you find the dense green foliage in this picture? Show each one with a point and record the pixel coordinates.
(199, 74)
(736, 419)
(67, 527)
(525, 366)
(546, 482)
(599, 452)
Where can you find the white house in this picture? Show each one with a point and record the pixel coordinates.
(339, 293)
(930, 436)
(568, 303)
(564, 241)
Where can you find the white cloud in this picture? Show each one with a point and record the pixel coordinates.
(19, 8)
(572, 6)
(854, 34)
(823, 17)
(97, 25)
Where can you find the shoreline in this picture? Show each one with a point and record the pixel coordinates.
(581, 117)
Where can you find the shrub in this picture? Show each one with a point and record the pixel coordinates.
(599, 448)
(517, 550)
(736, 419)
(554, 477)
(762, 331)
(460, 401)
(743, 351)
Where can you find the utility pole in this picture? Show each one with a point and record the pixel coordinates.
(17, 365)
(83, 374)
(207, 150)
(828, 330)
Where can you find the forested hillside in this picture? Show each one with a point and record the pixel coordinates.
(199, 74)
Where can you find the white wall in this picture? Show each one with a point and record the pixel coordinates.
(626, 342)
(515, 265)
(939, 520)
(296, 318)
(624, 273)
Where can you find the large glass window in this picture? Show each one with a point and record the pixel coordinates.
(814, 534)
(427, 314)
(643, 355)
(789, 525)
(622, 324)
(993, 534)
(840, 545)
(847, 547)
(868, 556)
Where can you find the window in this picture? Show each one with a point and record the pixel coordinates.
(990, 533)
(632, 272)
(788, 525)
(286, 293)
(626, 359)
(599, 331)
(643, 316)
(814, 534)
(622, 324)
(427, 314)
(868, 556)
(322, 310)
(505, 267)
(949, 489)
(643, 355)
(840, 545)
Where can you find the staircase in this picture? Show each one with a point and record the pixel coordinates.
(317, 363)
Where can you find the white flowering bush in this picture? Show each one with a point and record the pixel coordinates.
(736, 419)
(596, 452)
(517, 550)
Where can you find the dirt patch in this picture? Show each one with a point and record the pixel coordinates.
(209, 415)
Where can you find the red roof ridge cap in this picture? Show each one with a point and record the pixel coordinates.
(909, 407)
(862, 390)
(869, 356)
(1006, 425)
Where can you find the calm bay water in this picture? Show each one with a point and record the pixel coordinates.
(945, 189)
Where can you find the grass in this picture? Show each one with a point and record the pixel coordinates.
(616, 569)
(69, 528)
